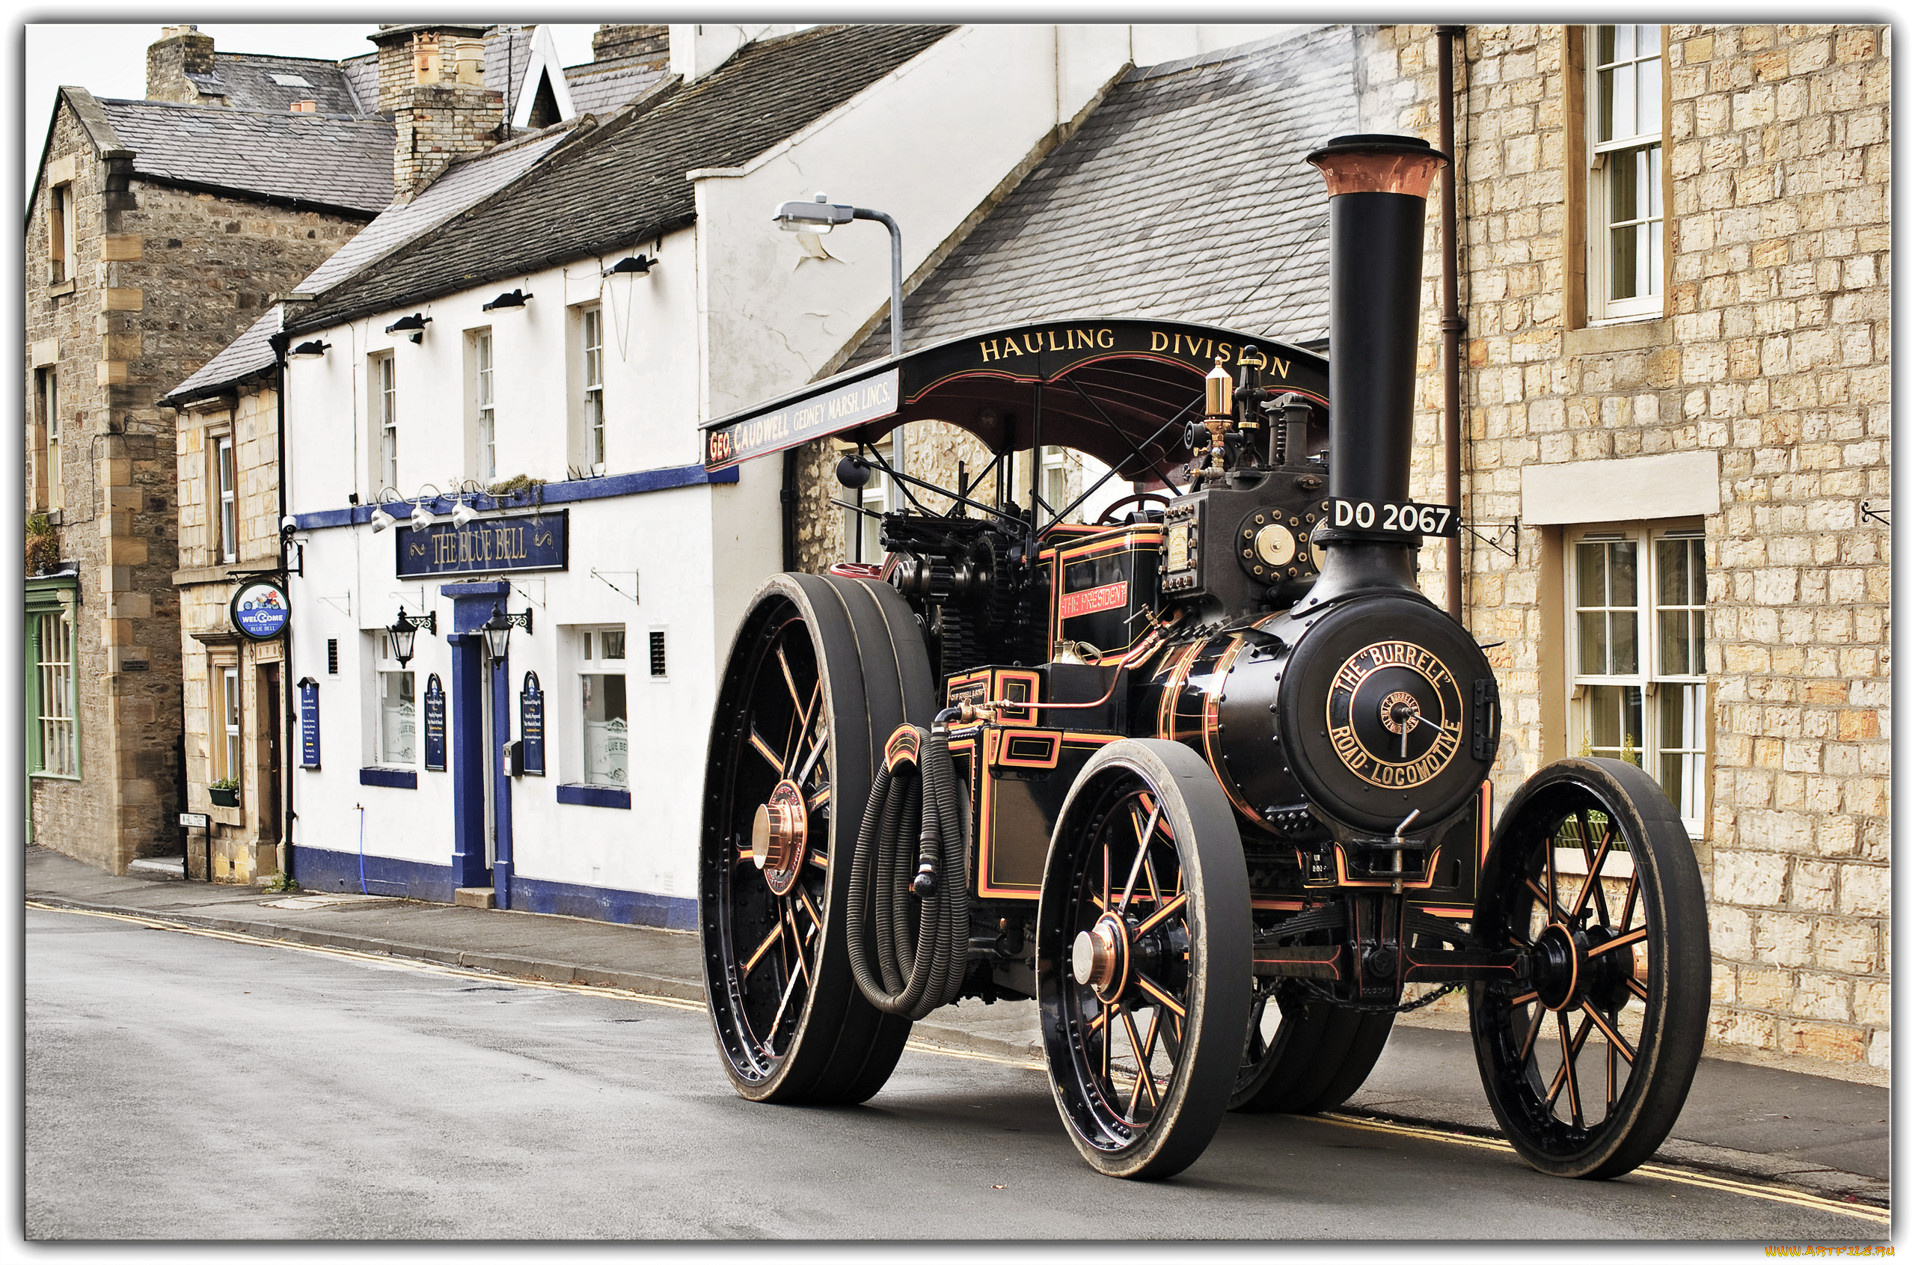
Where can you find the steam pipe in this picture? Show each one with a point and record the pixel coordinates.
(1377, 185)
(1452, 324)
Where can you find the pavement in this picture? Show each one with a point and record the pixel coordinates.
(1816, 1133)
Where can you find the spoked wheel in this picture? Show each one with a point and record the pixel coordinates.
(1587, 1063)
(1143, 953)
(1304, 1055)
(814, 683)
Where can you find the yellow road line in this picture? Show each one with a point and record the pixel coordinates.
(1656, 1172)
(926, 1047)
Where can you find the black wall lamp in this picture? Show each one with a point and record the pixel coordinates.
(308, 351)
(413, 327)
(640, 264)
(498, 630)
(511, 298)
(405, 630)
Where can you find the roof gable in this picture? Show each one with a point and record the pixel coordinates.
(627, 183)
(1183, 196)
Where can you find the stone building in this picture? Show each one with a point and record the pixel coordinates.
(155, 233)
(1673, 379)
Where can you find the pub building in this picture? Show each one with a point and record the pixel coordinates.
(511, 572)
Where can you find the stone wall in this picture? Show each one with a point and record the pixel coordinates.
(165, 279)
(1773, 354)
(179, 51)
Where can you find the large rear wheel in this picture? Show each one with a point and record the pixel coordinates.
(1587, 1062)
(1143, 958)
(816, 679)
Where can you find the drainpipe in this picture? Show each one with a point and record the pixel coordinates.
(287, 724)
(1452, 323)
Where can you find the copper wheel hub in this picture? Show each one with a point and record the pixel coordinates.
(1100, 958)
(778, 836)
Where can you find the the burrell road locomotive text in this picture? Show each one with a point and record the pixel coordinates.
(1206, 779)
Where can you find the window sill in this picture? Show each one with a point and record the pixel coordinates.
(375, 775)
(1623, 333)
(60, 289)
(54, 777)
(595, 796)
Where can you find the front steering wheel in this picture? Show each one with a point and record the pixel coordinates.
(1110, 520)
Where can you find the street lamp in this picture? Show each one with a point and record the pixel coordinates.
(498, 630)
(820, 216)
(405, 630)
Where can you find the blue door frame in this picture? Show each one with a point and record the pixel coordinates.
(472, 762)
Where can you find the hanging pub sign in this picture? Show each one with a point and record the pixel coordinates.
(435, 725)
(522, 542)
(259, 610)
(308, 723)
(532, 727)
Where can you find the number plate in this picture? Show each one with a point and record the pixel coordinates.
(1396, 518)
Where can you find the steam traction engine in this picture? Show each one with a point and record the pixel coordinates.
(1206, 779)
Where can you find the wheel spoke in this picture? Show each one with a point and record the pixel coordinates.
(760, 952)
(1163, 913)
(819, 799)
(798, 941)
(763, 748)
(1143, 849)
(1594, 855)
(1635, 986)
(818, 749)
(1615, 1039)
(1157, 994)
(1548, 899)
(1529, 1038)
(1627, 938)
(1629, 902)
(780, 1013)
(1145, 1084)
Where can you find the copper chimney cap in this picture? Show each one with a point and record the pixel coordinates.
(1377, 163)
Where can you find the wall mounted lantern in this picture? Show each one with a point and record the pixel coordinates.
(404, 630)
(413, 327)
(510, 299)
(498, 630)
(308, 351)
(639, 264)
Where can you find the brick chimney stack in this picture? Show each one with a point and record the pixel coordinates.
(179, 51)
(431, 78)
(649, 40)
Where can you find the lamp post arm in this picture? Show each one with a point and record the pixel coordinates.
(897, 274)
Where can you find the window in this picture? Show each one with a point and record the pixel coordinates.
(47, 402)
(1639, 690)
(398, 717)
(602, 703)
(60, 228)
(485, 436)
(224, 753)
(1625, 171)
(227, 522)
(1055, 482)
(385, 425)
(592, 342)
(57, 753)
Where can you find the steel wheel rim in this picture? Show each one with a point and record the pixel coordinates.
(1125, 1052)
(767, 956)
(1568, 1046)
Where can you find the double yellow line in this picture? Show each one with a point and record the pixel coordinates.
(1659, 1172)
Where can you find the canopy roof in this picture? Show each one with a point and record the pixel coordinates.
(1117, 389)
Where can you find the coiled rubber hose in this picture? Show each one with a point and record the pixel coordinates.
(911, 851)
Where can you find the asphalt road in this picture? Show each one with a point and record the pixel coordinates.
(206, 1087)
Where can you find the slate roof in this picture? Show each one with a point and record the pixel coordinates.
(601, 87)
(361, 74)
(457, 188)
(1184, 195)
(626, 183)
(249, 354)
(321, 160)
(244, 81)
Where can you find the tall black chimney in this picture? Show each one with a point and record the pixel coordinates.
(1377, 186)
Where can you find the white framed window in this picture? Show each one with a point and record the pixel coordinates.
(1638, 598)
(224, 736)
(226, 518)
(60, 232)
(57, 748)
(398, 738)
(592, 382)
(1624, 82)
(1054, 483)
(47, 401)
(602, 705)
(485, 440)
(385, 423)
